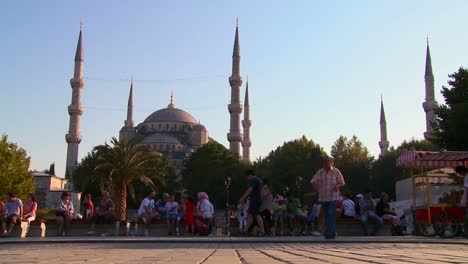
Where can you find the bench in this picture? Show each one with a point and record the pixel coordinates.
(81, 227)
(24, 229)
(344, 227)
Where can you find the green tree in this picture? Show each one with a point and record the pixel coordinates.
(206, 171)
(51, 169)
(117, 167)
(283, 166)
(352, 158)
(451, 125)
(14, 169)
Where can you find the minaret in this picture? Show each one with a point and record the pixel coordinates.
(246, 123)
(128, 131)
(235, 108)
(383, 143)
(75, 109)
(430, 104)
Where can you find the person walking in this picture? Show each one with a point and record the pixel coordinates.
(327, 182)
(254, 192)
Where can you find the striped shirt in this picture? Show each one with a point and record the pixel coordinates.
(327, 182)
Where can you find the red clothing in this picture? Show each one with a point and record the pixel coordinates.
(189, 213)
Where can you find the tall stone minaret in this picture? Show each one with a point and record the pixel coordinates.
(235, 108)
(128, 131)
(430, 104)
(246, 123)
(383, 143)
(75, 109)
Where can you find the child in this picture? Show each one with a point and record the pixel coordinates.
(313, 217)
(171, 214)
(279, 210)
(302, 218)
(190, 216)
(242, 215)
(181, 212)
(292, 208)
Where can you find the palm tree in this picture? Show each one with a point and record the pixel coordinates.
(123, 163)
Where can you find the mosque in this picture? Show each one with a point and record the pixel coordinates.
(170, 131)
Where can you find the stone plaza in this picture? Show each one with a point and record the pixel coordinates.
(230, 250)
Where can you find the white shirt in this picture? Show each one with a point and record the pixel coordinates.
(349, 208)
(206, 208)
(145, 203)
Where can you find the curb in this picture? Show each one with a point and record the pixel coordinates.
(222, 240)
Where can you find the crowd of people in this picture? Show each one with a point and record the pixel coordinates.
(272, 214)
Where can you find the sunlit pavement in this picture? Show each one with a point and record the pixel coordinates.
(234, 250)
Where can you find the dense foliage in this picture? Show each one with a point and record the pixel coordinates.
(207, 169)
(451, 126)
(14, 170)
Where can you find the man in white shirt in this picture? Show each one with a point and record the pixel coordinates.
(349, 208)
(146, 212)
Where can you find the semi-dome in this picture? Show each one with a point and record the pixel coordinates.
(171, 115)
(159, 138)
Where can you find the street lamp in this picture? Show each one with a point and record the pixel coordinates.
(227, 185)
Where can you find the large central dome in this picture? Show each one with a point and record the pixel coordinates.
(171, 114)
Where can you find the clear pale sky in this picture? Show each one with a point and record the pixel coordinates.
(316, 68)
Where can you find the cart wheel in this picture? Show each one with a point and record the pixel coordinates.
(446, 225)
(427, 229)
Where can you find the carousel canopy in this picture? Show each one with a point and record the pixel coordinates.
(428, 159)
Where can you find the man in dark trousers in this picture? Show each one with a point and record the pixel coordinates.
(327, 182)
(254, 192)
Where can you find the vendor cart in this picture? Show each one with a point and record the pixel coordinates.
(436, 190)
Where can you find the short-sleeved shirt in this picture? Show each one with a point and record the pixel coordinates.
(171, 208)
(256, 195)
(380, 208)
(13, 206)
(327, 182)
(349, 208)
(145, 203)
(105, 206)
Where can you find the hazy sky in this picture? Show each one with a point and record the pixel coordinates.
(316, 68)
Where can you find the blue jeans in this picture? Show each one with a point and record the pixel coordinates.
(375, 218)
(329, 209)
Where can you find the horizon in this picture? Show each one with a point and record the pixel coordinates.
(315, 69)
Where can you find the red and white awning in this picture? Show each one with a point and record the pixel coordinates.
(427, 159)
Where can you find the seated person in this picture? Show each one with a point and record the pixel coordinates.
(147, 212)
(14, 208)
(349, 208)
(3, 218)
(367, 209)
(29, 208)
(160, 205)
(383, 210)
(64, 213)
(104, 214)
